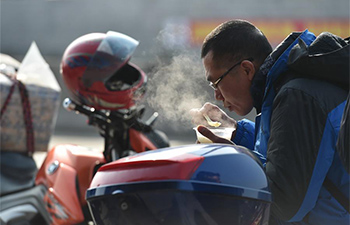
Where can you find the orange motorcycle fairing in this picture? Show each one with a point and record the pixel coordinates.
(67, 172)
(139, 142)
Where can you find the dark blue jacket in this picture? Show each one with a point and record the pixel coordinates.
(295, 135)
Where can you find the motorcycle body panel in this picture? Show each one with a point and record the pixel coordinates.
(139, 142)
(67, 172)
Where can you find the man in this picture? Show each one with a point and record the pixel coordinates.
(298, 119)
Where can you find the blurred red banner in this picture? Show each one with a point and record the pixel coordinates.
(276, 29)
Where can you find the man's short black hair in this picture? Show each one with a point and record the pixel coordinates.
(236, 40)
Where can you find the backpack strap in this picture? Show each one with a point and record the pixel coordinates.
(337, 194)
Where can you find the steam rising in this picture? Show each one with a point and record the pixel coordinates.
(176, 88)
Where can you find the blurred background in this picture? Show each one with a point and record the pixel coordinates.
(170, 34)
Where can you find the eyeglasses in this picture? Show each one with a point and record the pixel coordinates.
(214, 84)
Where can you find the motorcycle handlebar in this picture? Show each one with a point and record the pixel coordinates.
(103, 118)
(152, 119)
(69, 105)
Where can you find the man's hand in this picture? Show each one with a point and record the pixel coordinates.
(214, 113)
(211, 136)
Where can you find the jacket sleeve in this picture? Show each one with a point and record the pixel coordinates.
(245, 136)
(297, 124)
(245, 132)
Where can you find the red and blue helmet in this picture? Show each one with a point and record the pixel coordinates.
(188, 185)
(96, 71)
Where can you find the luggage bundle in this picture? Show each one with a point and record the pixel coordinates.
(29, 102)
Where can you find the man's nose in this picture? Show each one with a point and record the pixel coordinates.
(218, 96)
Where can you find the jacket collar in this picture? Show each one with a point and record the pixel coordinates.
(259, 81)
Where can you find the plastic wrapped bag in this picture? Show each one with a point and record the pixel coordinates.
(44, 99)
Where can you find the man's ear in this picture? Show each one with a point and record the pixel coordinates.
(249, 69)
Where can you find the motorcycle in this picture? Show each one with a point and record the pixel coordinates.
(106, 88)
(58, 196)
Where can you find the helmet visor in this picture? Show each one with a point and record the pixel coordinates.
(113, 52)
(177, 207)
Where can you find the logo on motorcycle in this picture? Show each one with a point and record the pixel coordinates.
(53, 167)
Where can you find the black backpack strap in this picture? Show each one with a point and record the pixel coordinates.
(337, 194)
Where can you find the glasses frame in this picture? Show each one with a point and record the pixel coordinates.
(214, 84)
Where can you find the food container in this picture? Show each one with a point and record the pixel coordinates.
(222, 132)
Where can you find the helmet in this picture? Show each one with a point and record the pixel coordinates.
(189, 185)
(96, 70)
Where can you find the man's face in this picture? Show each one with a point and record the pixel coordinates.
(234, 88)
